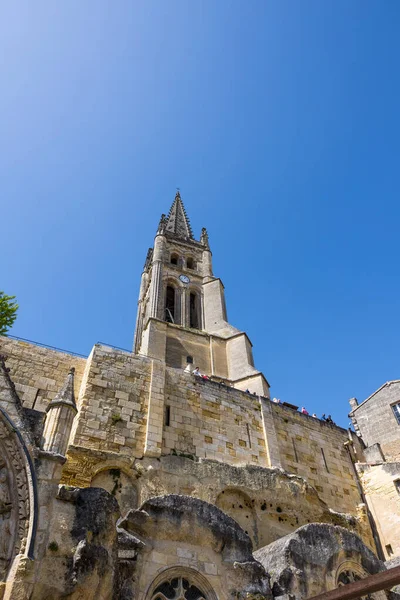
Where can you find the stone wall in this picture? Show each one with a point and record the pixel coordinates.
(381, 484)
(182, 343)
(209, 420)
(315, 450)
(38, 373)
(113, 402)
(121, 412)
(376, 422)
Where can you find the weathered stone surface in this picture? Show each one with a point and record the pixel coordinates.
(180, 530)
(81, 557)
(310, 560)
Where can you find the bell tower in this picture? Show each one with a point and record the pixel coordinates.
(181, 317)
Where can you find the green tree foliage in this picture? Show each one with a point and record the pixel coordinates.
(8, 312)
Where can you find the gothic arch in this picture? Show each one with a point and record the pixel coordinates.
(174, 575)
(18, 496)
(172, 294)
(194, 307)
(350, 571)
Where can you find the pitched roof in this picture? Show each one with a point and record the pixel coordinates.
(374, 393)
(177, 220)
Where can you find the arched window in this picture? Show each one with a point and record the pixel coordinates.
(180, 583)
(174, 259)
(194, 320)
(178, 588)
(170, 316)
(349, 572)
(190, 263)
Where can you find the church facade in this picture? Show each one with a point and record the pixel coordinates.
(167, 472)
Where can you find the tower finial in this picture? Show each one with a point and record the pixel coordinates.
(162, 224)
(204, 238)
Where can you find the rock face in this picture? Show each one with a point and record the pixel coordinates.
(316, 558)
(192, 537)
(81, 558)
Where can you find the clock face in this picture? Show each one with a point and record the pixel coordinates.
(184, 278)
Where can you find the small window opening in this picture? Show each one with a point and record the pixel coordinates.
(174, 259)
(170, 305)
(190, 263)
(389, 549)
(189, 360)
(167, 415)
(397, 485)
(193, 311)
(396, 411)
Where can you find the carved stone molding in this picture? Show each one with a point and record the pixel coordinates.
(17, 494)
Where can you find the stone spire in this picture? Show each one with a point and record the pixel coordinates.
(60, 415)
(66, 395)
(177, 221)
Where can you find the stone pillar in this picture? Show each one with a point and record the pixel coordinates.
(207, 256)
(184, 307)
(156, 278)
(353, 402)
(155, 412)
(207, 264)
(270, 437)
(140, 312)
(60, 415)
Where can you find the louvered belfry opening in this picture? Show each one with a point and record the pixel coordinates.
(193, 311)
(170, 305)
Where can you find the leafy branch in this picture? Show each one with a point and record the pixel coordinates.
(8, 312)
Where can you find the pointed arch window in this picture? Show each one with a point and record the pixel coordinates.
(178, 588)
(190, 263)
(170, 313)
(174, 259)
(194, 310)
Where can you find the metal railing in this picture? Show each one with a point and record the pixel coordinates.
(20, 339)
(374, 583)
(115, 347)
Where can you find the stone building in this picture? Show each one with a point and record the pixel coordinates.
(377, 422)
(129, 475)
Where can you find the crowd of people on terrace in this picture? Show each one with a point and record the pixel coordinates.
(304, 411)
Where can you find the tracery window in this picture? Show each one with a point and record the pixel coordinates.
(178, 588)
(350, 576)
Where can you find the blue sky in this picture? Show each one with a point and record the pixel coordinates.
(280, 123)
